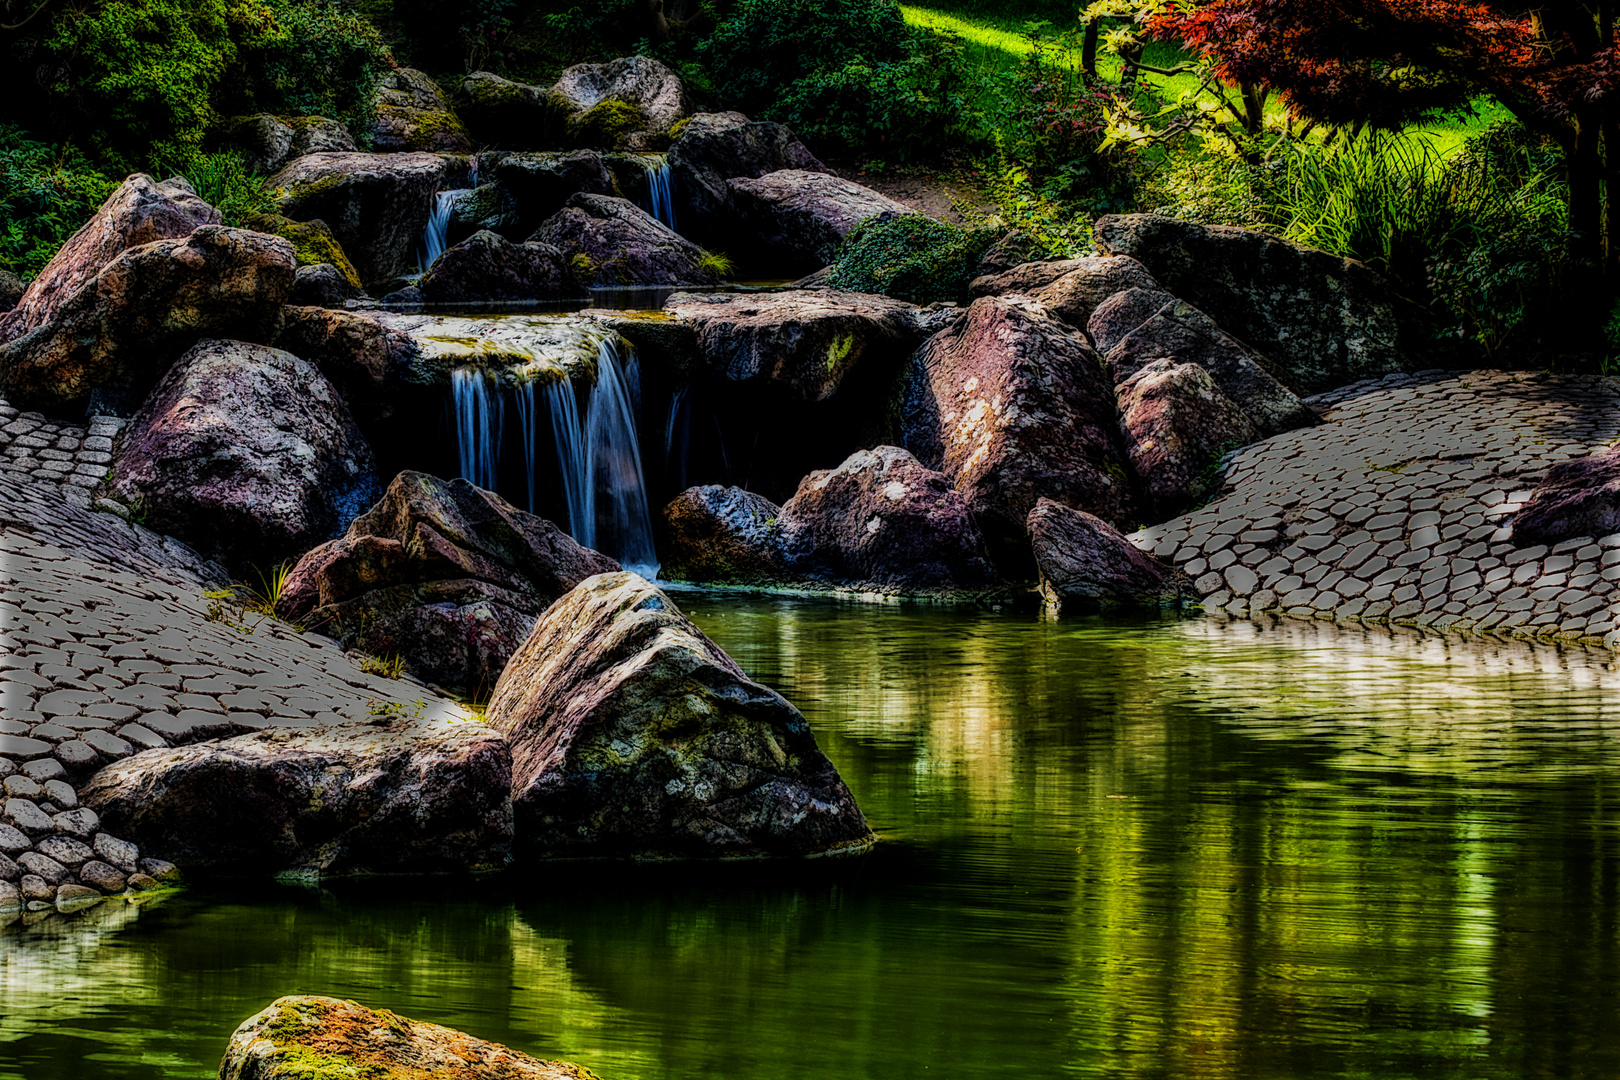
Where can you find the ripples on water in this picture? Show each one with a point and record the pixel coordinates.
(1151, 849)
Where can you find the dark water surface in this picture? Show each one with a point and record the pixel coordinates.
(1162, 849)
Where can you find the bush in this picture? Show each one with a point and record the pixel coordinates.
(909, 257)
(223, 182)
(305, 58)
(842, 73)
(46, 193)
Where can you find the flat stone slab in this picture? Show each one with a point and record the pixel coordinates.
(1397, 508)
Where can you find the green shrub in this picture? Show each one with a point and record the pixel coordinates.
(222, 181)
(46, 193)
(910, 257)
(848, 74)
(307, 58)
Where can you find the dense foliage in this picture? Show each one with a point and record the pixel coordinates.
(46, 193)
(910, 257)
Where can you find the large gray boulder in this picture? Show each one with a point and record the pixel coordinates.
(140, 211)
(1013, 405)
(1324, 320)
(376, 205)
(412, 114)
(584, 96)
(502, 113)
(807, 340)
(634, 736)
(1075, 295)
(443, 574)
(718, 535)
(1181, 334)
(1177, 426)
(1579, 497)
(296, 1035)
(488, 267)
(715, 148)
(795, 219)
(268, 142)
(122, 327)
(1087, 565)
(386, 795)
(884, 522)
(532, 187)
(612, 241)
(245, 452)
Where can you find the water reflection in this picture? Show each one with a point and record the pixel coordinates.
(1191, 849)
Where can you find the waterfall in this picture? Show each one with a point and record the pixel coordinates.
(480, 419)
(438, 227)
(528, 421)
(661, 193)
(600, 458)
(679, 419)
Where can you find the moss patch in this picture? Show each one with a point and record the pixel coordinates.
(606, 125)
(909, 257)
(312, 241)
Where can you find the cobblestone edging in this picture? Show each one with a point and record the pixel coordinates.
(1396, 509)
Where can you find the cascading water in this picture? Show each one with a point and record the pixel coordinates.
(438, 228)
(677, 438)
(600, 457)
(480, 421)
(661, 193)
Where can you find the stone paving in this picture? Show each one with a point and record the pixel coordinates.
(1396, 509)
(117, 640)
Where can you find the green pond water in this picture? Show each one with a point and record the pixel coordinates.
(1153, 849)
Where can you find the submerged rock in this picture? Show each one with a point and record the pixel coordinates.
(715, 148)
(883, 521)
(634, 736)
(487, 267)
(1579, 497)
(377, 205)
(446, 575)
(119, 332)
(385, 795)
(315, 1038)
(797, 218)
(245, 452)
(1012, 405)
(1324, 320)
(612, 241)
(1087, 565)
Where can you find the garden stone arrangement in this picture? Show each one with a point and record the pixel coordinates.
(462, 666)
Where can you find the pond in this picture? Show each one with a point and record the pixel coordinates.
(1160, 848)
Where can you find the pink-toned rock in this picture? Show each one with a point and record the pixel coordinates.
(139, 212)
(624, 245)
(1013, 405)
(715, 148)
(1177, 426)
(795, 218)
(1579, 497)
(1086, 564)
(487, 267)
(245, 452)
(717, 535)
(883, 521)
(1074, 293)
(376, 205)
(446, 575)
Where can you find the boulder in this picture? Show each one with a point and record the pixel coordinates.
(488, 267)
(245, 452)
(11, 290)
(1012, 405)
(377, 205)
(612, 241)
(412, 114)
(318, 135)
(487, 206)
(1322, 319)
(314, 1038)
(1086, 564)
(1074, 296)
(501, 113)
(1026, 278)
(796, 219)
(263, 141)
(322, 285)
(384, 795)
(714, 148)
(634, 736)
(717, 535)
(120, 331)
(1114, 319)
(807, 340)
(366, 361)
(138, 212)
(597, 101)
(536, 186)
(1578, 497)
(313, 244)
(1181, 334)
(446, 575)
(1177, 426)
(882, 521)
(1015, 247)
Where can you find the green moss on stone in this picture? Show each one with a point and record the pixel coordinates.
(679, 126)
(312, 241)
(302, 1063)
(910, 257)
(606, 124)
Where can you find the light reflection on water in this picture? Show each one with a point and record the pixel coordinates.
(1190, 849)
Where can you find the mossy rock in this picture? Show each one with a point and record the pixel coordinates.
(910, 257)
(312, 241)
(607, 125)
